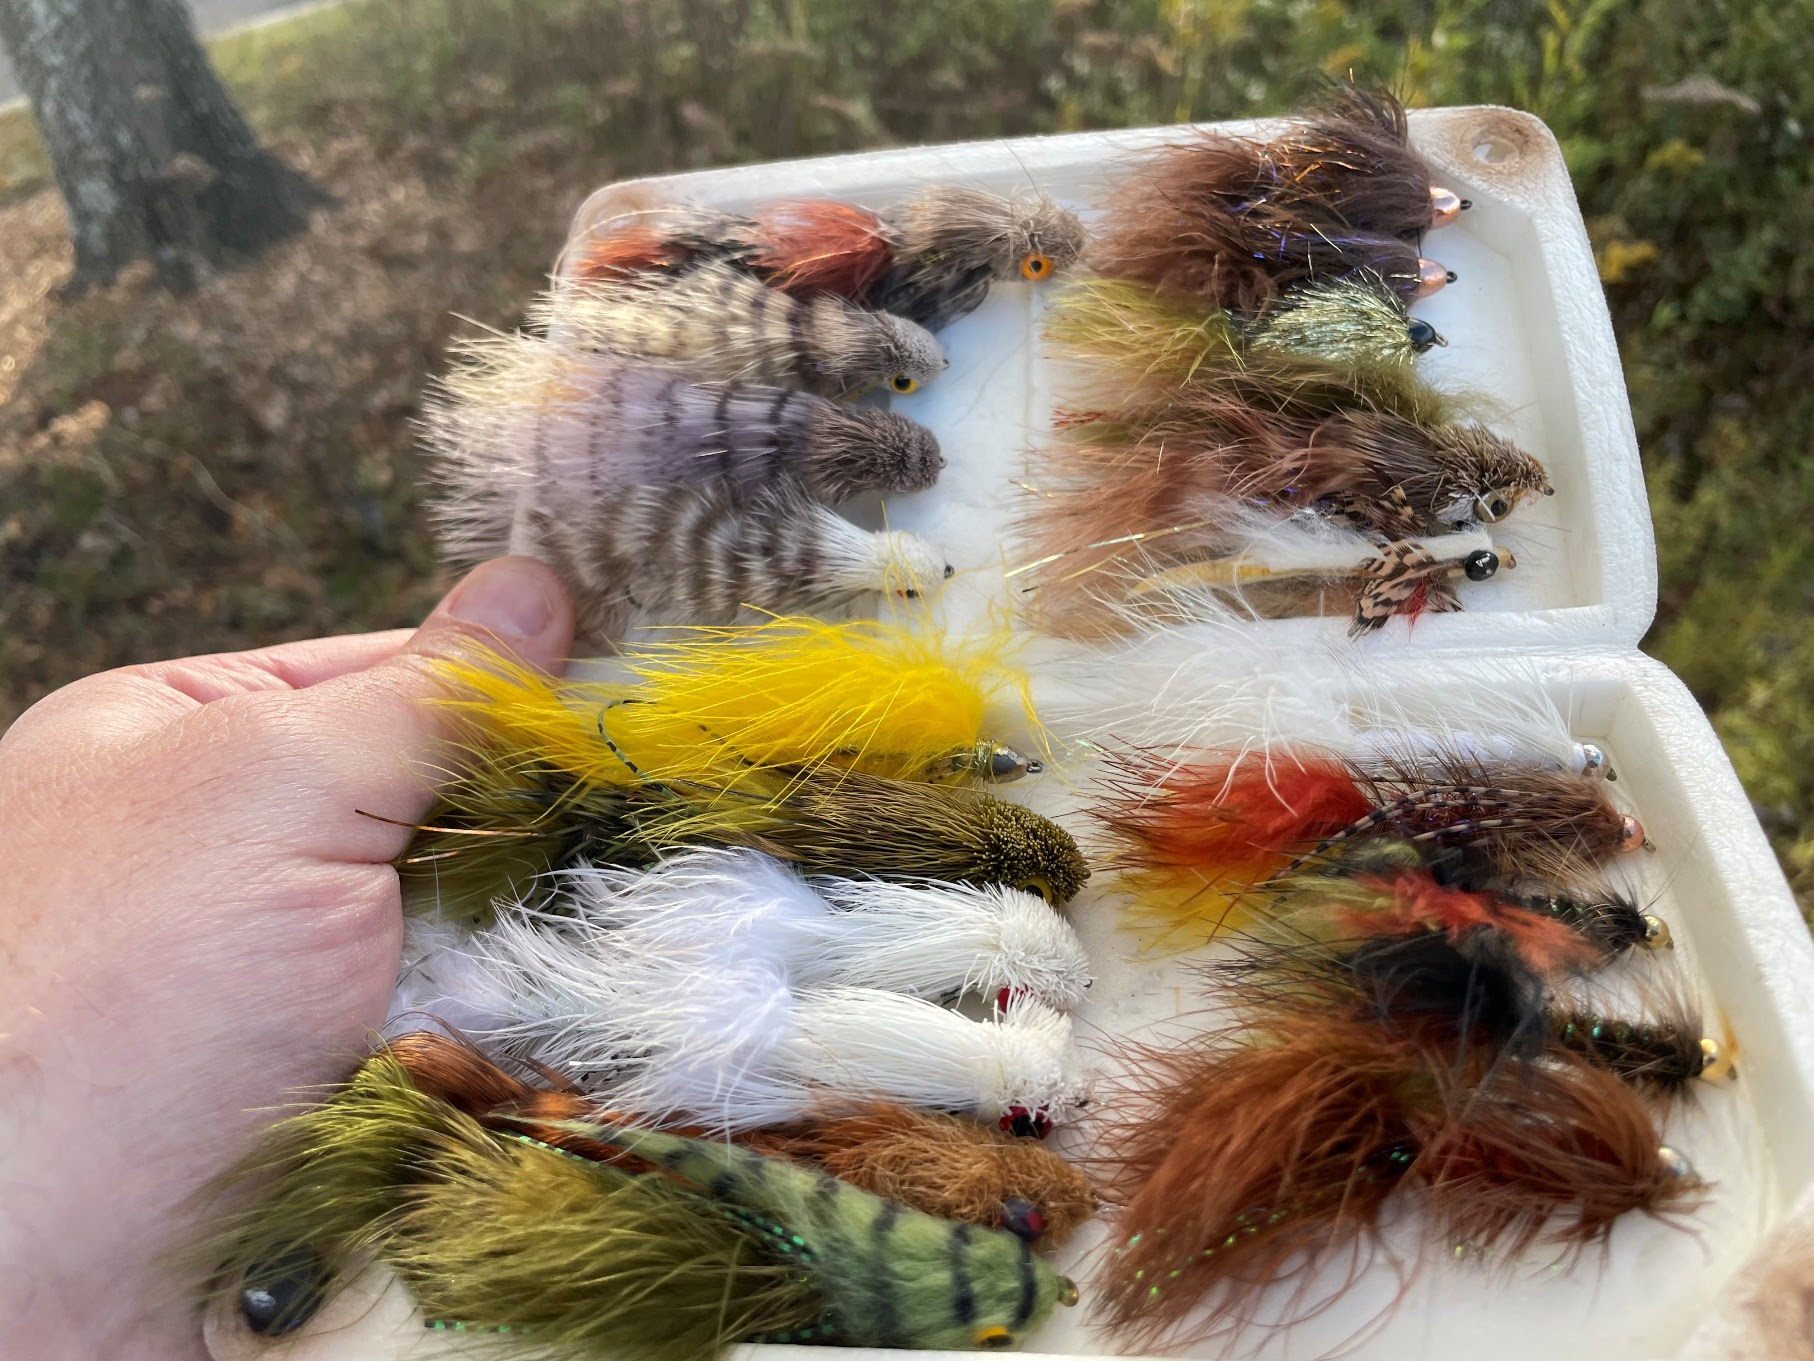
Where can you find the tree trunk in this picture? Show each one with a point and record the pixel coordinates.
(151, 154)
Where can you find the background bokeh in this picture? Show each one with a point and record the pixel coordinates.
(235, 467)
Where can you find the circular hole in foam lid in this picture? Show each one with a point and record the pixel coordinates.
(1492, 150)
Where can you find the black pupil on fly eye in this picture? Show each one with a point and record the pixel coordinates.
(1480, 564)
(902, 383)
(996, 1342)
(1022, 1218)
(287, 1294)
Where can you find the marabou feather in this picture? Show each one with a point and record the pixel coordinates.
(889, 1275)
(1235, 220)
(1259, 1153)
(942, 1165)
(1227, 558)
(939, 941)
(693, 1030)
(504, 820)
(701, 554)
(493, 1233)
(524, 418)
(931, 259)
(1195, 833)
(786, 694)
(715, 323)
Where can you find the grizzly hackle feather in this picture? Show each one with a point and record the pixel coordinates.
(715, 323)
(700, 553)
(529, 420)
(955, 241)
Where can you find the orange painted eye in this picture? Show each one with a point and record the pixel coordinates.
(1035, 266)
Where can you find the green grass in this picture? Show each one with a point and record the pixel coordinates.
(508, 110)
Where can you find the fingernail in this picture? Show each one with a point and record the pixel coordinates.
(506, 596)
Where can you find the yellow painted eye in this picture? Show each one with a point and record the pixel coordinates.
(1035, 266)
(902, 383)
(992, 1338)
(1036, 884)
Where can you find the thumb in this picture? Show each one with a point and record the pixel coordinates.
(369, 740)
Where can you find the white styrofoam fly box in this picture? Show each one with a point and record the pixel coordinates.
(1528, 329)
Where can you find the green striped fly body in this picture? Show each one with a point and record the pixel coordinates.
(889, 1276)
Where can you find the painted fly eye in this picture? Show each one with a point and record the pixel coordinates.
(950, 571)
(1034, 266)
(902, 383)
(1037, 885)
(1025, 1124)
(1005, 764)
(910, 595)
(286, 1296)
(1424, 336)
(992, 1338)
(1676, 1165)
(1494, 506)
(1716, 1063)
(1021, 1218)
(1631, 835)
(1480, 564)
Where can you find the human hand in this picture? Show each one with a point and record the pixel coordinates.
(195, 922)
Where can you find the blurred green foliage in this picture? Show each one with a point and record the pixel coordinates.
(1685, 124)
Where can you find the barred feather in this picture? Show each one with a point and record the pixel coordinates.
(527, 418)
(714, 323)
(1201, 830)
(701, 554)
(1224, 559)
(942, 1165)
(497, 1234)
(889, 1276)
(955, 241)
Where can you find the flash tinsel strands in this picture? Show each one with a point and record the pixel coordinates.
(1235, 220)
